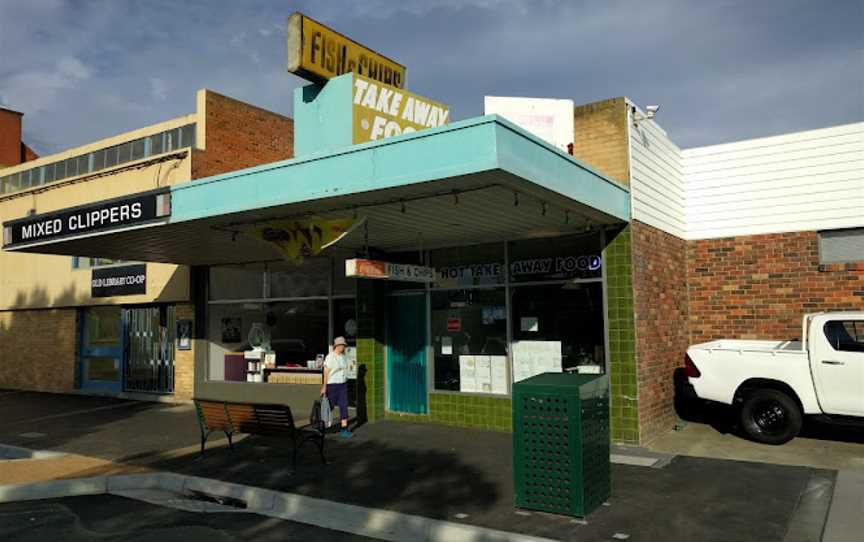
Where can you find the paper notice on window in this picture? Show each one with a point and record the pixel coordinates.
(467, 373)
(484, 374)
(529, 323)
(351, 359)
(446, 346)
(531, 358)
(499, 374)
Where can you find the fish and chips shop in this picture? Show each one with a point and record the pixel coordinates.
(455, 258)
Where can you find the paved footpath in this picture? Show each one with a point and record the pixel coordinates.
(450, 474)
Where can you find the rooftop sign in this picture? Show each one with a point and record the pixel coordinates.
(381, 111)
(318, 53)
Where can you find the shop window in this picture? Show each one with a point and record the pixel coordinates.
(476, 265)
(560, 258)
(237, 282)
(559, 326)
(342, 285)
(297, 332)
(469, 336)
(345, 320)
(308, 279)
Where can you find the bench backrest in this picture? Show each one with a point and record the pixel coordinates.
(213, 415)
(274, 418)
(244, 417)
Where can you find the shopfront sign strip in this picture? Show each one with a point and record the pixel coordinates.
(97, 217)
(122, 280)
(318, 53)
(376, 269)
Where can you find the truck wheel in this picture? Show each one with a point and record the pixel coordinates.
(770, 416)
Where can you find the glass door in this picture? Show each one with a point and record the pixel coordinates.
(101, 349)
(407, 353)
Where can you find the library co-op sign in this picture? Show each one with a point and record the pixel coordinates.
(110, 215)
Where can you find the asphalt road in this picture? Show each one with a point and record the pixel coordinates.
(107, 517)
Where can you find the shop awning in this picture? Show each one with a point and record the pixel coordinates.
(474, 181)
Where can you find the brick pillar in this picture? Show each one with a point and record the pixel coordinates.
(371, 314)
(184, 360)
(623, 404)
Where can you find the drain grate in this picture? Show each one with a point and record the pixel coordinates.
(215, 499)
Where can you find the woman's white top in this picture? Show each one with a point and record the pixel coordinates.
(338, 366)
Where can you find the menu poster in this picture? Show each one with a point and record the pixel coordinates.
(499, 374)
(468, 373)
(531, 358)
(484, 374)
(351, 359)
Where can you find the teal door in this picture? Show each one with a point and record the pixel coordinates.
(101, 356)
(406, 353)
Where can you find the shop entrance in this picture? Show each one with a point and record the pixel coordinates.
(149, 349)
(407, 353)
(101, 357)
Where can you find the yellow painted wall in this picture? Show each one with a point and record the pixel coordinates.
(43, 281)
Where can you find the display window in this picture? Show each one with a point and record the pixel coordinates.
(563, 258)
(275, 322)
(469, 336)
(477, 265)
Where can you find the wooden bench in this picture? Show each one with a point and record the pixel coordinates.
(232, 418)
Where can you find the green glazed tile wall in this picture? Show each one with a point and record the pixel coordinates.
(473, 411)
(481, 412)
(624, 411)
(370, 345)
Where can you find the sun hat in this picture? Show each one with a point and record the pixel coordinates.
(339, 341)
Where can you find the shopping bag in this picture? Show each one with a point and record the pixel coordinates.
(326, 413)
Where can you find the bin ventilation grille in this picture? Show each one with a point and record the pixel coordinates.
(546, 446)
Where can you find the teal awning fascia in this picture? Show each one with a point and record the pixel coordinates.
(458, 149)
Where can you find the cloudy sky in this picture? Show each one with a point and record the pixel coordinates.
(721, 70)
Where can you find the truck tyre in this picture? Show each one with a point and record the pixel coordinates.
(770, 416)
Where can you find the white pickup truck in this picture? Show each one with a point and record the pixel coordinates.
(777, 383)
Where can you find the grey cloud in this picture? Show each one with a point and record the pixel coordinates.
(722, 70)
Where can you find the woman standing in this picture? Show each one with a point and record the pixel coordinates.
(335, 385)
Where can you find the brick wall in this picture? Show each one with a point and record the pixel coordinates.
(600, 138)
(757, 287)
(37, 350)
(184, 360)
(239, 135)
(10, 138)
(660, 306)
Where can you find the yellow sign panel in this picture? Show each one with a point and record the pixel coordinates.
(318, 53)
(298, 239)
(383, 111)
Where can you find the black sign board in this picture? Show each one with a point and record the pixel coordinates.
(96, 217)
(122, 280)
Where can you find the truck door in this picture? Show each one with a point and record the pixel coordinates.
(837, 350)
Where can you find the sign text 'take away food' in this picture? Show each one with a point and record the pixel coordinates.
(384, 111)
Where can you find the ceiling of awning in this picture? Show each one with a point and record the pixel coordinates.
(484, 207)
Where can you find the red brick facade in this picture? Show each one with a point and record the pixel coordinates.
(10, 138)
(660, 306)
(239, 135)
(757, 287)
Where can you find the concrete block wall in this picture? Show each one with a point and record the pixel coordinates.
(37, 349)
(239, 135)
(759, 286)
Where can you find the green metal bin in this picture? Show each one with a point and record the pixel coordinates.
(561, 443)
